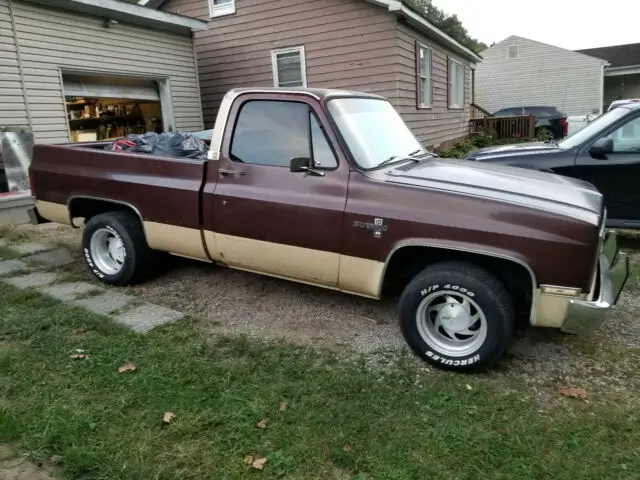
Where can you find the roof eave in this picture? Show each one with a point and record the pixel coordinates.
(421, 24)
(129, 13)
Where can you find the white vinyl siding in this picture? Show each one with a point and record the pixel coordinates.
(53, 41)
(540, 75)
(424, 76)
(289, 67)
(218, 8)
(456, 84)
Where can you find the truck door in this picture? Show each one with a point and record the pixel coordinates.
(268, 219)
(618, 175)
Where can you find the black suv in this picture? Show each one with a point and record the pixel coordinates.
(550, 121)
(605, 153)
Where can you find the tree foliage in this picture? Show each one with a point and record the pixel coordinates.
(449, 24)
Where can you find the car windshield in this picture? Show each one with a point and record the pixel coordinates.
(373, 130)
(593, 128)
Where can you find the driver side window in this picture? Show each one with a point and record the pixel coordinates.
(626, 139)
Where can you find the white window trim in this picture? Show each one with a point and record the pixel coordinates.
(509, 47)
(303, 63)
(451, 86)
(220, 10)
(424, 102)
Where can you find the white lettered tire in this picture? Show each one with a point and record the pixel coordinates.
(115, 248)
(457, 316)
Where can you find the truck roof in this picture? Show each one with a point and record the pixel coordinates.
(319, 93)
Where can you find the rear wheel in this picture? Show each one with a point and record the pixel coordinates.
(457, 316)
(115, 248)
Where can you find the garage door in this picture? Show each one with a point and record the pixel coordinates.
(110, 87)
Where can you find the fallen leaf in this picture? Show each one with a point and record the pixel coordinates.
(168, 417)
(248, 459)
(283, 406)
(78, 356)
(469, 387)
(508, 431)
(573, 392)
(347, 448)
(127, 367)
(262, 423)
(258, 463)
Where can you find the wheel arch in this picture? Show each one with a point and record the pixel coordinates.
(83, 206)
(408, 258)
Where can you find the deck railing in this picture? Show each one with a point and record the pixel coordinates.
(521, 127)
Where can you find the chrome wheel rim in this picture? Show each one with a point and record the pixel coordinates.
(107, 251)
(452, 324)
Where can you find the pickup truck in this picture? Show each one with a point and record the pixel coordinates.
(605, 153)
(330, 188)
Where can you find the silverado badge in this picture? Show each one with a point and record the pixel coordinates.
(378, 226)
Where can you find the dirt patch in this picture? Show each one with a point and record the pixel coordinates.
(16, 468)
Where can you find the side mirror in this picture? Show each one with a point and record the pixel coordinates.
(601, 148)
(300, 164)
(303, 164)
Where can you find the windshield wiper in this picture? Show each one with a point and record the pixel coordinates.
(417, 152)
(391, 159)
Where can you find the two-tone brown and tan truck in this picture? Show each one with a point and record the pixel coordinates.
(331, 188)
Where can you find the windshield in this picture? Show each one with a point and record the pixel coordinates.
(373, 130)
(593, 128)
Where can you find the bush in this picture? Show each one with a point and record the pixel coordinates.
(463, 148)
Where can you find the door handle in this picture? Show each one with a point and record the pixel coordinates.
(224, 171)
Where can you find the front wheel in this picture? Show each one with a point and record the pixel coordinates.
(457, 316)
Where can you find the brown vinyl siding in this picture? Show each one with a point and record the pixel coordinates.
(348, 44)
(53, 39)
(13, 110)
(438, 124)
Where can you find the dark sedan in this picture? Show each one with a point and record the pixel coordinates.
(605, 153)
(550, 121)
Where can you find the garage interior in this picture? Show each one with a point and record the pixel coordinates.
(102, 107)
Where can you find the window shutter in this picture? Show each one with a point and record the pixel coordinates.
(464, 86)
(418, 86)
(448, 81)
(431, 84)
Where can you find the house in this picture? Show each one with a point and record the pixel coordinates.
(622, 75)
(380, 46)
(522, 72)
(80, 70)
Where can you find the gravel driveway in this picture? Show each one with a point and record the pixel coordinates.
(229, 301)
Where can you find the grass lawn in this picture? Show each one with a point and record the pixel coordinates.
(342, 420)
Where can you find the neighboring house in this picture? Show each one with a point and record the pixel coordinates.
(522, 72)
(64, 60)
(622, 75)
(379, 46)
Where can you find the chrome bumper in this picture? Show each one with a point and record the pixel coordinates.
(584, 316)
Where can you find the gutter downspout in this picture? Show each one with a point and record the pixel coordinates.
(604, 66)
(20, 67)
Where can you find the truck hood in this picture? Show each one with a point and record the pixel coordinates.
(545, 191)
(513, 149)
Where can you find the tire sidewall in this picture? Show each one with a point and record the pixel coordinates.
(110, 223)
(495, 317)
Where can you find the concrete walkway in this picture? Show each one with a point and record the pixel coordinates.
(35, 267)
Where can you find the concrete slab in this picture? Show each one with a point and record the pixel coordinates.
(7, 267)
(145, 317)
(38, 279)
(105, 303)
(30, 248)
(67, 292)
(53, 258)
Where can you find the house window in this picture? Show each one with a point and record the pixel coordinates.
(217, 8)
(456, 84)
(424, 76)
(289, 67)
(513, 52)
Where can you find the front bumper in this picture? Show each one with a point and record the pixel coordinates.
(586, 316)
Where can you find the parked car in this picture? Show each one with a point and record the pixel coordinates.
(550, 121)
(617, 103)
(605, 153)
(331, 188)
